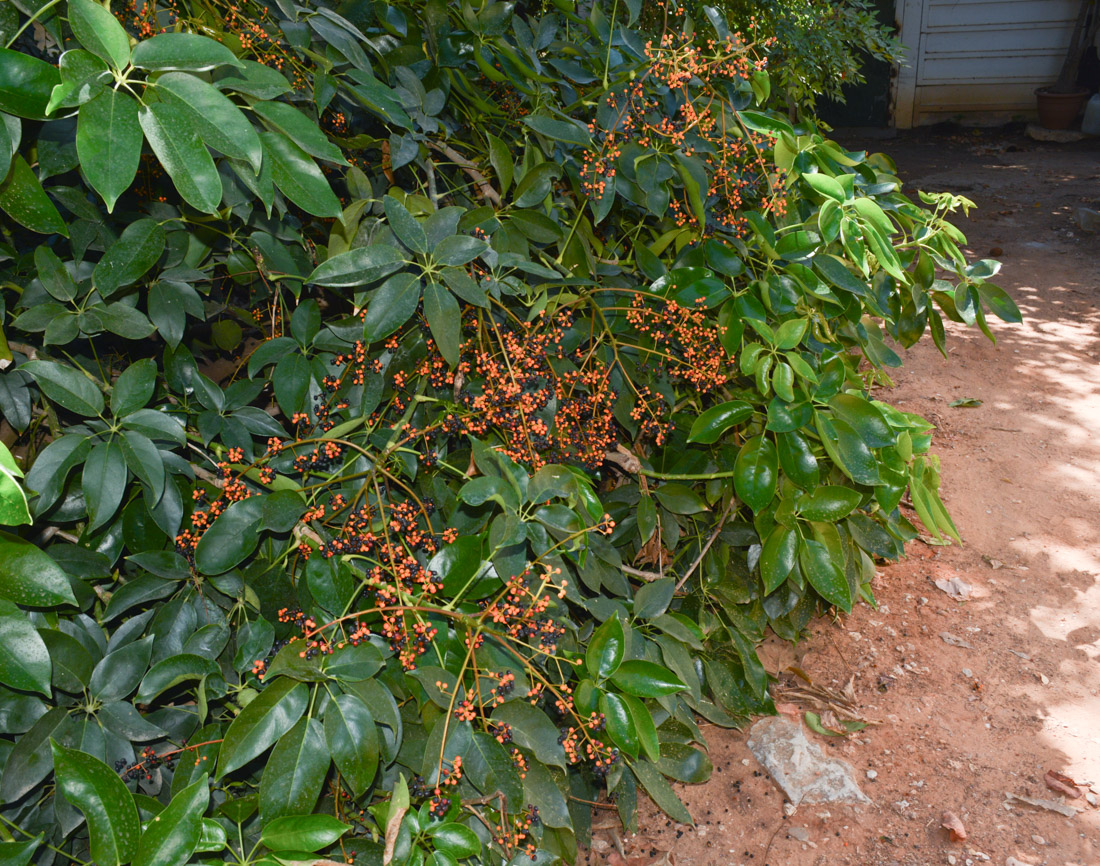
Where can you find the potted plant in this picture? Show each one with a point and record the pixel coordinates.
(1060, 103)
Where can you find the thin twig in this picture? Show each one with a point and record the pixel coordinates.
(713, 537)
(644, 575)
(470, 168)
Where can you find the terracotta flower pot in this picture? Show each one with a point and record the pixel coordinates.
(1059, 110)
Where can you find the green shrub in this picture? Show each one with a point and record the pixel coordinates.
(814, 47)
(399, 490)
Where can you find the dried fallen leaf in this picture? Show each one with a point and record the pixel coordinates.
(950, 821)
(1063, 784)
(957, 588)
(830, 722)
(786, 708)
(1049, 805)
(954, 640)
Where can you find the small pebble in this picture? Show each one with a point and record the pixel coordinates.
(1091, 797)
(967, 673)
(1037, 839)
(872, 775)
(799, 833)
(951, 859)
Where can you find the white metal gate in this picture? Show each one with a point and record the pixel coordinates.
(978, 60)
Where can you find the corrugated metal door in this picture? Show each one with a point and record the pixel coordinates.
(979, 60)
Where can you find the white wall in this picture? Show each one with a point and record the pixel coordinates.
(978, 61)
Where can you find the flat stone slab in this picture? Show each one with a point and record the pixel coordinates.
(800, 768)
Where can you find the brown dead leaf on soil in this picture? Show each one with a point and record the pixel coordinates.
(1063, 784)
(950, 822)
(842, 703)
(957, 588)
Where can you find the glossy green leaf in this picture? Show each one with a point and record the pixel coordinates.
(108, 142)
(231, 538)
(620, 723)
(405, 226)
(19, 853)
(352, 740)
(97, 791)
(25, 201)
(865, 418)
(24, 660)
(300, 129)
(457, 564)
(679, 498)
(709, 426)
(219, 122)
(182, 153)
(298, 177)
(26, 84)
(118, 673)
(262, 723)
(605, 649)
(104, 481)
(29, 576)
(172, 671)
(302, 832)
(829, 503)
(185, 51)
(295, 771)
(849, 450)
(559, 130)
(55, 277)
(134, 387)
(391, 305)
(646, 679)
(532, 729)
(99, 31)
(756, 473)
(130, 257)
(824, 574)
(292, 379)
(657, 786)
(358, 266)
(444, 320)
(173, 835)
(684, 763)
(1000, 302)
(455, 839)
(778, 557)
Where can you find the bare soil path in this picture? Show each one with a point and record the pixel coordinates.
(961, 726)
